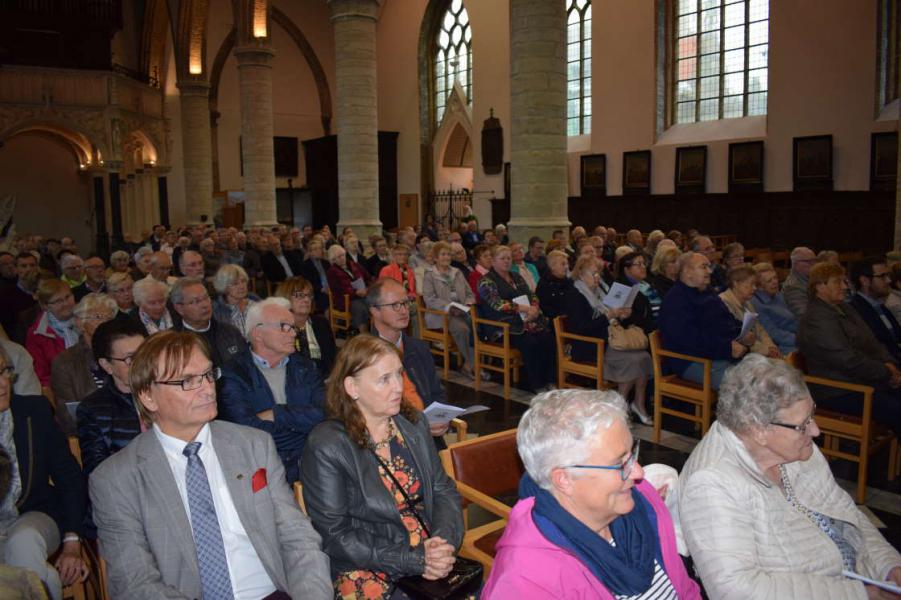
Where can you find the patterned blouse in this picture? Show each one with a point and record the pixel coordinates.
(496, 294)
(371, 585)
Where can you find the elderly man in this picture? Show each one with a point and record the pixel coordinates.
(702, 244)
(194, 507)
(276, 265)
(72, 267)
(871, 282)
(389, 309)
(271, 387)
(161, 268)
(535, 255)
(693, 320)
(794, 288)
(191, 301)
(190, 264)
(95, 278)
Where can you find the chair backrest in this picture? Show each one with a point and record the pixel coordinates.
(796, 360)
(655, 343)
(489, 463)
(75, 448)
(298, 496)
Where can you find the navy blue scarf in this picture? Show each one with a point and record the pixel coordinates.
(626, 569)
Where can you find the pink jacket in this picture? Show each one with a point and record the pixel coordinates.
(529, 567)
(43, 344)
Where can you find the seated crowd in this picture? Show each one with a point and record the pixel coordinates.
(200, 375)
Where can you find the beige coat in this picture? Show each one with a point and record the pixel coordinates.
(764, 341)
(748, 542)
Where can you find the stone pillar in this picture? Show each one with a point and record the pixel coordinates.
(196, 146)
(115, 209)
(101, 241)
(255, 83)
(538, 129)
(354, 22)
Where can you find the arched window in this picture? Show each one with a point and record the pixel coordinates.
(578, 67)
(453, 59)
(721, 52)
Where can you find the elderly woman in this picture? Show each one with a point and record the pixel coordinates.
(665, 269)
(587, 315)
(37, 516)
(442, 285)
(504, 296)
(118, 262)
(554, 285)
(588, 524)
(733, 256)
(400, 270)
(526, 270)
(460, 260)
(758, 507)
(742, 285)
(233, 302)
(54, 329)
(772, 311)
(348, 278)
(633, 270)
(372, 481)
(150, 296)
(315, 339)
(481, 254)
(74, 373)
(314, 269)
(119, 287)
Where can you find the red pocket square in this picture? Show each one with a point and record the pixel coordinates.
(259, 480)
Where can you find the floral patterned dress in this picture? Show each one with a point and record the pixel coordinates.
(372, 585)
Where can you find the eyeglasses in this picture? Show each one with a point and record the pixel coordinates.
(126, 360)
(302, 295)
(625, 469)
(65, 298)
(8, 371)
(881, 275)
(196, 301)
(803, 427)
(193, 382)
(397, 306)
(639, 263)
(97, 317)
(284, 326)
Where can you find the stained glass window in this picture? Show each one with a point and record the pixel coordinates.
(578, 67)
(721, 59)
(453, 60)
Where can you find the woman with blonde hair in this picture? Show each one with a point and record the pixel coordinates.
(372, 481)
(664, 269)
(315, 339)
(443, 285)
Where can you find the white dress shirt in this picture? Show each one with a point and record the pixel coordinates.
(248, 576)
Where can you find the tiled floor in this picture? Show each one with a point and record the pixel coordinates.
(883, 504)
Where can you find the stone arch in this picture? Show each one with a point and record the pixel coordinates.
(139, 141)
(86, 150)
(454, 135)
(190, 39)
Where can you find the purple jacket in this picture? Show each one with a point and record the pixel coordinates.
(529, 567)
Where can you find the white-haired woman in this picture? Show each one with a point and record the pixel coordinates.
(119, 287)
(74, 373)
(588, 524)
(758, 507)
(118, 262)
(348, 277)
(234, 300)
(150, 295)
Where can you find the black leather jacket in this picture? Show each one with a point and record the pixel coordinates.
(355, 514)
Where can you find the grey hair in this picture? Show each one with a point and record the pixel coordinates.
(227, 275)
(177, 293)
(799, 252)
(755, 389)
(117, 279)
(685, 260)
(561, 426)
(255, 313)
(141, 252)
(92, 302)
(333, 252)
(118, 254)
(144, 287)
(69, 258)
(696, 243)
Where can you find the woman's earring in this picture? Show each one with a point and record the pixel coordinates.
(354, 398)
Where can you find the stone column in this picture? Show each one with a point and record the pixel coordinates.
(196, 146)
(255, 82)
(101, 241)
(538, 128)
(356, 95)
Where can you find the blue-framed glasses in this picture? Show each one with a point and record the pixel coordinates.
(624, 469)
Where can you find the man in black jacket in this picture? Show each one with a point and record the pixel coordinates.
(389, 309)
(192, 302)
(871, 280)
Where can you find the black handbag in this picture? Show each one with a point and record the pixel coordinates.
(463, 582)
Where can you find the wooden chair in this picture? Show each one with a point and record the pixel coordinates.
(298, 496)
(339, 319)
(510, 357)
(75, 448)
(701, 397)
(568, 366)
(870, 437)
(92, 588)
(485, 468)
(441, 336)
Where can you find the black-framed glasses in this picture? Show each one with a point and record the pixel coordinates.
(8, 371)
(193, 382)
(126, 360)
(397, 306)
(803, 427)
(302, 295)
(284, 326)
(624, 469)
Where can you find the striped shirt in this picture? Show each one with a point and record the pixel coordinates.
(661, 586)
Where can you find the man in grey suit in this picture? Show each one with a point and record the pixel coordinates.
(196, 508)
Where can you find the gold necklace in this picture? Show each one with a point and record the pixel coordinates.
(387, 441)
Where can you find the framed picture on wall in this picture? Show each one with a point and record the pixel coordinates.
(691, 170)
(812, 162)
(594, 174)
(884, 161)
(746, 167)
(637, 172)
